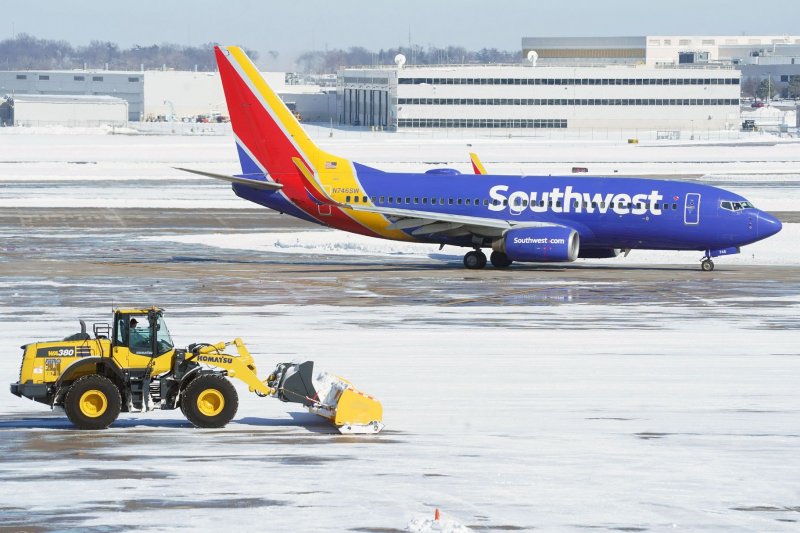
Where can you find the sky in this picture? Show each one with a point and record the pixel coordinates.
(292, 27)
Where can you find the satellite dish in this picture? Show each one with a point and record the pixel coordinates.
(533, 57)
(399, 60)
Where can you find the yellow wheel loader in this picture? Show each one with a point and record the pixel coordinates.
(132, 365)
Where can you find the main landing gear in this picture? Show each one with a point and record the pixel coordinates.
(707, 265)
(476, 259)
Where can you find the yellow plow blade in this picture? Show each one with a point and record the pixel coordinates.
(331, 397)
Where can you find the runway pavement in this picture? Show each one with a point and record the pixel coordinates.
(96, 257)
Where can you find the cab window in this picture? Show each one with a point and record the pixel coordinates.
(163, 338)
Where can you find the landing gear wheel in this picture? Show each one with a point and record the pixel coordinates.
(500, 260)
(92, 402)
(209, 401)
(707, 265)
(475, 260)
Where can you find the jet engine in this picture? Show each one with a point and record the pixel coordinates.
(539, 245)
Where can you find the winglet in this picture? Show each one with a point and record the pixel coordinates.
(477, 166)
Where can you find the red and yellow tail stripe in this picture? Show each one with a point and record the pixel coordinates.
(277, 142)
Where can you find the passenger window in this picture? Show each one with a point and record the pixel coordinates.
(364, 199)
(383, 199)
(674, 206)
(441, 201)
(416, 200)
(459, 201)
(449, 201)
(424, 200)
(485, 202)
(389, 200)
(408, 199)
(467, 201)
(347, 199)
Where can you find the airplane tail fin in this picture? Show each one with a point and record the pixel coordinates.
(268, 136)
(477, 166)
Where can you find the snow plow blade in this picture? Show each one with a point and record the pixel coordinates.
(331, 397)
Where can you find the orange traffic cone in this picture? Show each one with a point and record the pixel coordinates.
(436, 514)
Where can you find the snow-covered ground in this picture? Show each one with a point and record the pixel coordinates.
(557, 417)
(611, 412)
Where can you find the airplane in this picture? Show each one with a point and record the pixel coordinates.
(521, 219)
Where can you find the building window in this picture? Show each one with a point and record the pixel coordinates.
(133, 80)
(78, 78)
(43, 77)
(22, 77)
(97, 78)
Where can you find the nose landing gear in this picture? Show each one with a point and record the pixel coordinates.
(706, 264)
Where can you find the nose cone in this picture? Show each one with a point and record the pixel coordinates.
(768, 225)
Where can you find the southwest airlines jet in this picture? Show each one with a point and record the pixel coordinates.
(530, 219)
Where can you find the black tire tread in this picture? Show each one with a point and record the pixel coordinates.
(201, 383)
(81, 385)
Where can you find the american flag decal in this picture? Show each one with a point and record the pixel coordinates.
(330, 165)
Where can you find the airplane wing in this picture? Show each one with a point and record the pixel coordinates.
(240, 180)
(432, 223)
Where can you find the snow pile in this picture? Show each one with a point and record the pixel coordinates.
(442, 524)
(328, 242)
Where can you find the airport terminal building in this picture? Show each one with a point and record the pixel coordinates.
(614, 97)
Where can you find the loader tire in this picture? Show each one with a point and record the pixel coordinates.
(92, 402)
(209, 401)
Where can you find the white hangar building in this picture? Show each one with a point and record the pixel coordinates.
(64, 110)
(604, 97)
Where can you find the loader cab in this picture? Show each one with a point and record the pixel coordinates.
(141, 335)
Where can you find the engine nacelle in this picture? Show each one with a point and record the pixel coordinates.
(598, 253)
(539, 245)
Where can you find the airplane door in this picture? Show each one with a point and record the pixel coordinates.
(691, 212)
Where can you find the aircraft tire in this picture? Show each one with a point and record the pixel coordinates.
(474, 260)
(500, 260)
(707, 265)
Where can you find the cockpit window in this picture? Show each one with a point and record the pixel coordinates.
(735, 205)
